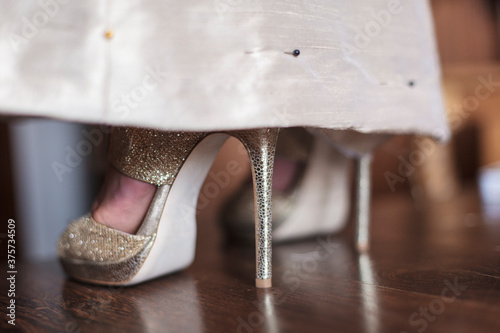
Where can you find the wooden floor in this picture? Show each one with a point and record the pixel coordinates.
(429, 270)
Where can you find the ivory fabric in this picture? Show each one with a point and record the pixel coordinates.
(367, 65)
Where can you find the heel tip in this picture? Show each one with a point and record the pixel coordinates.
(362, 247)
(263, 283)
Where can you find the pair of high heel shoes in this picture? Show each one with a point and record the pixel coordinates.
(177, 163)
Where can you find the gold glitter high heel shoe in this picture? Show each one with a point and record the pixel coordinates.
(176, 162)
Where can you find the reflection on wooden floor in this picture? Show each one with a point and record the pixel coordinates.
(430, 271)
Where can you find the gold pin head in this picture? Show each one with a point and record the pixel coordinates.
(109, 34)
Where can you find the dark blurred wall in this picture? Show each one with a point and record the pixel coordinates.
(467, 30)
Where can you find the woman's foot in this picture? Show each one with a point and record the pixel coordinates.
(122, 202)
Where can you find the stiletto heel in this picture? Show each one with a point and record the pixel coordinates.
(177, 163)
(360, 147)
(363, 195)
(261, 146)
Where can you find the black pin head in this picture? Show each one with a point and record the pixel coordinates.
(296, 53)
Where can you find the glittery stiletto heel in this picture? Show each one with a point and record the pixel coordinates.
(177, 163)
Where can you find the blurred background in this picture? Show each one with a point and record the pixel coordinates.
(51, 170)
